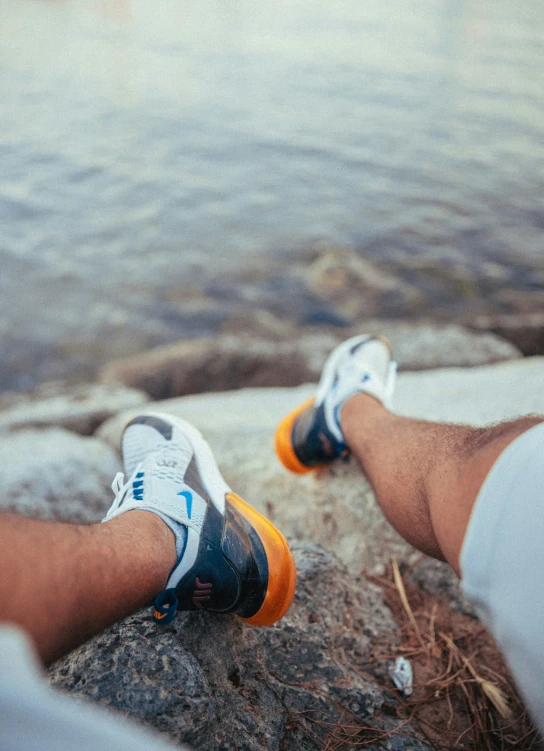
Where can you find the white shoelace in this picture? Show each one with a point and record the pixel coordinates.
(120, 489)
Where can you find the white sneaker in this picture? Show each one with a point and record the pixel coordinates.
(311, 436)
(231, 559)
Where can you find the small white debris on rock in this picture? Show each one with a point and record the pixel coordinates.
(403, 676)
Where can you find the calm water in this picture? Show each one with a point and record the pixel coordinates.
(166, 165)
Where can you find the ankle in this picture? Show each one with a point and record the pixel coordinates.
(150, 523)
(359, 412)
(149, 532)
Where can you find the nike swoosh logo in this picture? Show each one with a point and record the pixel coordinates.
(158, 616)
(188, 500)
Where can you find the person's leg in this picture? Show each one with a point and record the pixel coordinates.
(426, 475)
(471, 496)
(63, 583)
(175, 532)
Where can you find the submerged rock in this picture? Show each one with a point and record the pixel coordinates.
(220, 685)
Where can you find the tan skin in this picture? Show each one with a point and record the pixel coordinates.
(63, 583)
(426, 475)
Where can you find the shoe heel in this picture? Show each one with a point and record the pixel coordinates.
(282, 573)
(284, 443)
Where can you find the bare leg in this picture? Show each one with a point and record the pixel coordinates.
(64, 583)
(426, 475)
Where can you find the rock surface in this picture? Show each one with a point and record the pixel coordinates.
(221, 685)
(213, 681)
(54, 474)
(79, 408)
(291, 357)
(526, 330)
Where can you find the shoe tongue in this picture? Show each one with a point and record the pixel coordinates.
(375, 355)
(352, 380)
(367, 363)
(160, 484)
(170, 459)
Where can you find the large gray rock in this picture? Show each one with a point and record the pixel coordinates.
(54, 474)
(78, 408)
(348, 285)
(221, 685)
(293, 357)
(421, 346)
(219, 364)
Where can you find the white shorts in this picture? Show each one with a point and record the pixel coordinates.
(502, 561)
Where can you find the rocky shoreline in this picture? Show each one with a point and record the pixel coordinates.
(287, 356)
(211, 681)
(266, 353)
(323, 290)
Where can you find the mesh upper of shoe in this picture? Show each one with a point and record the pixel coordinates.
(366, 368)
(367, 365)
(157, 481)
(138, 441)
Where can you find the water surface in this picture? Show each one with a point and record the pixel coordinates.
(166, 165)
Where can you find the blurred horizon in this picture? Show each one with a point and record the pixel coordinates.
(169, 166)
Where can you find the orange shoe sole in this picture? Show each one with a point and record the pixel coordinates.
(282, 572)
(284, 444)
